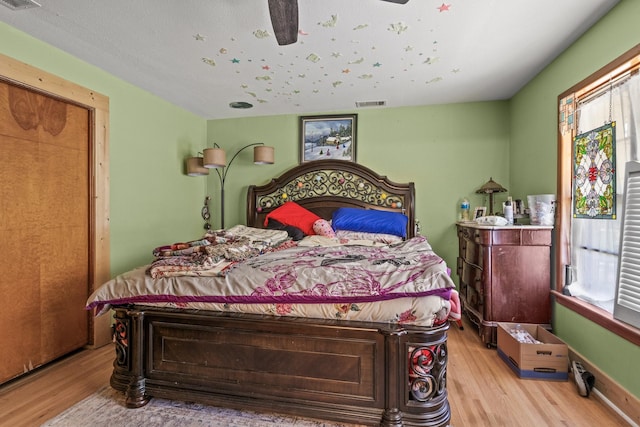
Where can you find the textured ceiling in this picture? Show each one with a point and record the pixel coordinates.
(205, 54)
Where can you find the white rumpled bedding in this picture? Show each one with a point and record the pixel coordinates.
(403, 283)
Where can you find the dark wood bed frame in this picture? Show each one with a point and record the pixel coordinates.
(355, 372)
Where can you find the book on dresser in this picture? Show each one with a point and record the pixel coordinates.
(504, 274)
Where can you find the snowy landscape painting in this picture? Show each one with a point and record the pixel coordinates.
(328, 137)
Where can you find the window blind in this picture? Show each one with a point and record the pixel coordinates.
(627, 300)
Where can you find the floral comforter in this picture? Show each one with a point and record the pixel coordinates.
(405, 283)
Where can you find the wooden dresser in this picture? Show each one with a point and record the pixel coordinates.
(504, 275)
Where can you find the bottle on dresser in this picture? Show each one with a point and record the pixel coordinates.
(508, 211)
(464, 210)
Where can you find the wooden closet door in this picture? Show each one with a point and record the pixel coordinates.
(44, 229)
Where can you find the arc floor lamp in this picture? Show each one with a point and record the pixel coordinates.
(216, 158)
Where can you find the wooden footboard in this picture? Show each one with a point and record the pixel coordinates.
(367, 373)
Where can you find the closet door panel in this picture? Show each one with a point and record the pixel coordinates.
(20, 268)
(64, 160)
(44, 227)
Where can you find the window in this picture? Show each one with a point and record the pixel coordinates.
(595, 242)
(588, 248)
(627, 302)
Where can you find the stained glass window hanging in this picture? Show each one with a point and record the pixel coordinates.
(566, 114)
(594, 174)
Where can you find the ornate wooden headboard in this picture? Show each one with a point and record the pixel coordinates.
(322, 186)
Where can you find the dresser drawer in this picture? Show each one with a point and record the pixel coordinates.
(469, 245)
(521, 237)
(465, 233)
(476, 235)
(471, 252)
(518, 236)
(475, 300)
(471, 275)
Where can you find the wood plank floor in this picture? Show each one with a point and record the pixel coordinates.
(483, 391)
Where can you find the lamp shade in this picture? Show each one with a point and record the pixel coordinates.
(263, 155)
(214, 158)
(491, 187)
(195, 167)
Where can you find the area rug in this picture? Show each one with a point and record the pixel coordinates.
(106, 408)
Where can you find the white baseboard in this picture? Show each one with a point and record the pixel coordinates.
(610, 404)
(611, 393)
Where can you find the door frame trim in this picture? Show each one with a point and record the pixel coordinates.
(27, 76)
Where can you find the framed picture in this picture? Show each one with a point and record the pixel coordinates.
(328, 137)
(479, 212)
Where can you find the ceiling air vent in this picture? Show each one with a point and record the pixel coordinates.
(19, 4)
(360, 104)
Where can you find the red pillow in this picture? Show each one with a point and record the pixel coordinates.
(291, 213)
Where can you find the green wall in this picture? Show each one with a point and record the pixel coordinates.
(533, 167)
(152, 201)
(449, 151)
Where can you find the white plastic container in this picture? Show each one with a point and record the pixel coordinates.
(508, 211)
(542, 208)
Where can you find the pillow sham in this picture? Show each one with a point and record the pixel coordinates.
(291, 213)
(388, 239)
(370, 221)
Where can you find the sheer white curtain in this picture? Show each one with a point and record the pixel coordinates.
(595, 242)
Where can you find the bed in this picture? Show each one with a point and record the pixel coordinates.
(266, 349)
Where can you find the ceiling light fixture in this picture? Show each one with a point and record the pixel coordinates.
(238, 104)
(19, 4)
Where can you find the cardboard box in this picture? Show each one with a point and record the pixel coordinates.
(547, 361)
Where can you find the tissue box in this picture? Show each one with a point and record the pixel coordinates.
(547, 361)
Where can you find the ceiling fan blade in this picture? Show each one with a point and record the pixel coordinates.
(284, 19)
(397, 1)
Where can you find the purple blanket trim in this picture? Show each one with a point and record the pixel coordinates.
(275, 299)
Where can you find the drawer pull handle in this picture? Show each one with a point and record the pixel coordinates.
(544, 353)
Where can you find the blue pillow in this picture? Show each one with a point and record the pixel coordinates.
(370, 221)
